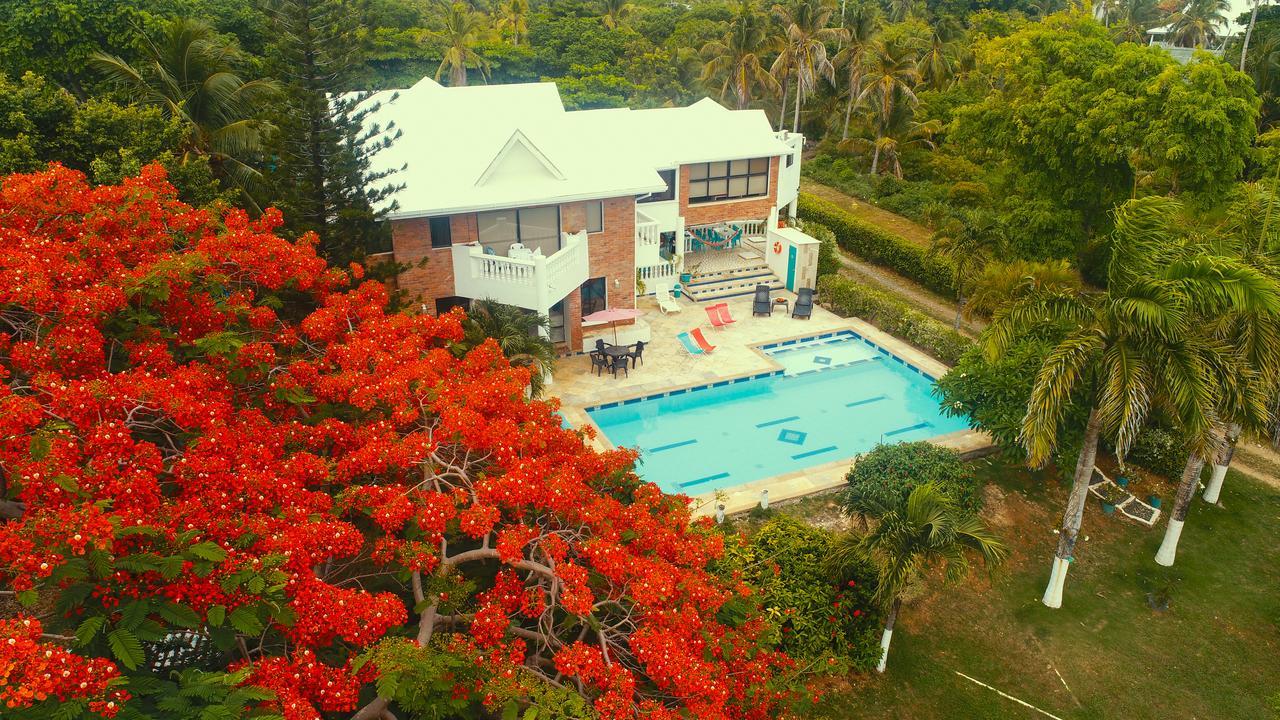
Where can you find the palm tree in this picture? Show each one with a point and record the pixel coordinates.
(615, 12)
(862, 25)
(1133, 18)
(889, 79)
(736, 57)
(969, 241)
(804, 53)
(1000, 282)
(912, 536)
(520, 335)
(513, 17)
(1248, 33)
(1125, 349)
(1254, 338)
(189, 74)
(1198, 23)
(462, 30)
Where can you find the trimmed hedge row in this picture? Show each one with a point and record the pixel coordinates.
(846, 297)
(879, 246)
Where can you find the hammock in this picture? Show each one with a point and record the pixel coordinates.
(718, 237)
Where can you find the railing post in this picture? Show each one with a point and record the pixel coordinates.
(541, 281)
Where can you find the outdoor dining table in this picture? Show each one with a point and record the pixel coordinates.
(615, 351)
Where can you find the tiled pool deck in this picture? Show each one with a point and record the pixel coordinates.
(667, 367)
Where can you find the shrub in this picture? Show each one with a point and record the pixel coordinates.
(1161, 451)
(889, 473)
(817, 616)
(880, 246)
(828, 259)
(846, 298)
(968, 193)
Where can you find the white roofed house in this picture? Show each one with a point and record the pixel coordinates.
(510, 197)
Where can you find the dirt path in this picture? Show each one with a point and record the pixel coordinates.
(926, 301)
(898, 225)
(1258, 461)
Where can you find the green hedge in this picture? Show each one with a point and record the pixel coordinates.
(846, 297)
(828, 248)
(879, 246)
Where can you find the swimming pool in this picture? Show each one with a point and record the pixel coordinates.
(836, 396)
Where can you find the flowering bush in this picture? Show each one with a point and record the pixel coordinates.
(212, 440)
(830, 622)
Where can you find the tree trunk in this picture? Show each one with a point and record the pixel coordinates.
(1248, 33)
(782, 111)
(848, 112)
(1214, 488)
(959, 311)
(795, 122)
(888, 634)
(1074, 513)
(1190, 479)
(875, 159)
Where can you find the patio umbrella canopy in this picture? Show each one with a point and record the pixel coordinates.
(612, 317)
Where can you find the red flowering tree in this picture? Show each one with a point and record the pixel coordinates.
(229, 478)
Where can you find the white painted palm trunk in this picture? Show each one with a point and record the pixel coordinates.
(1214, 488)
(1057, 582)
(1169, 548)
(884, 649)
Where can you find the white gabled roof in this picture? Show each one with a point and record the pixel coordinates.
(489, 147)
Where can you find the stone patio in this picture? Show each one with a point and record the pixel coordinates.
(667, 366)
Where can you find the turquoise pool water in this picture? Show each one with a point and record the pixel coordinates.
(836, 396)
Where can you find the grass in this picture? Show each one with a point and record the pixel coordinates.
(894, 223)
(1215, 653)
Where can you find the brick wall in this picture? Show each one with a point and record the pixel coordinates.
(611, 254)
(745, 209)
(411, 244)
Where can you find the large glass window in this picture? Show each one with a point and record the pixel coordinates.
(593, 296)
(669, 177)
(555, 321)
(537, 227)
(728, 180)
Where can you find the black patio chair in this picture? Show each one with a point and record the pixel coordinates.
(763, 304)
(599, 362)
(637, 353)
(804, 304)
(601, 345)
(620, 363)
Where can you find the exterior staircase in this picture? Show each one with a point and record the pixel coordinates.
(730, 283)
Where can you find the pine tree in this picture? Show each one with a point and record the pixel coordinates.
(320, 176)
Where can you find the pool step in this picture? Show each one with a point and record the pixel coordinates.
(731, 283)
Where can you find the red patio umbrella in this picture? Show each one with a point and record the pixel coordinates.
(613, 316)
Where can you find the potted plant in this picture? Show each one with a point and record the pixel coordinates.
(639, 283)
(1153, 501)
(1123, 481)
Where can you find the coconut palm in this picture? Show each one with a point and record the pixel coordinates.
(910, 537)
(1000, 282)
(969, 241)
(1198, 23)
(735, 58)
(889, 80)
(892, 136)
(463, 28)
(615, 12)
(804, 48)
(189, 74)
(513, 17)
(519, 333)
(1129, 20)
(1139, 343)
(861, 24)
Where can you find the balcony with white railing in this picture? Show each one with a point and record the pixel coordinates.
(535, 282)
(647, 233)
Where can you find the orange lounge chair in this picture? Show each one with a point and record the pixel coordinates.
(701, 339)
(719, 315)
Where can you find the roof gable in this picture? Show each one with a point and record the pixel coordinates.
(521, 160)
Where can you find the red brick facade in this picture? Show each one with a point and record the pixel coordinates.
(746, 209)
(611, 254)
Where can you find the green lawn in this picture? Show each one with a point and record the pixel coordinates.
(1215, 653)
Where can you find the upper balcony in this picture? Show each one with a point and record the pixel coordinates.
(534, 281)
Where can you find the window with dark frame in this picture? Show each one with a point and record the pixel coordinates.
(449, 302)
(595, 216)
(669, 177)
(593, 296)
(441, 236)
(728, 180)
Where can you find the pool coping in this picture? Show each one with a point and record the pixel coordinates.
(807, 481)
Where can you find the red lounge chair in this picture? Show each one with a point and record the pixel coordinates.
(718, 315)
(701, 339)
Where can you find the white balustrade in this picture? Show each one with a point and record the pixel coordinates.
(535, 282)
(647, 233)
